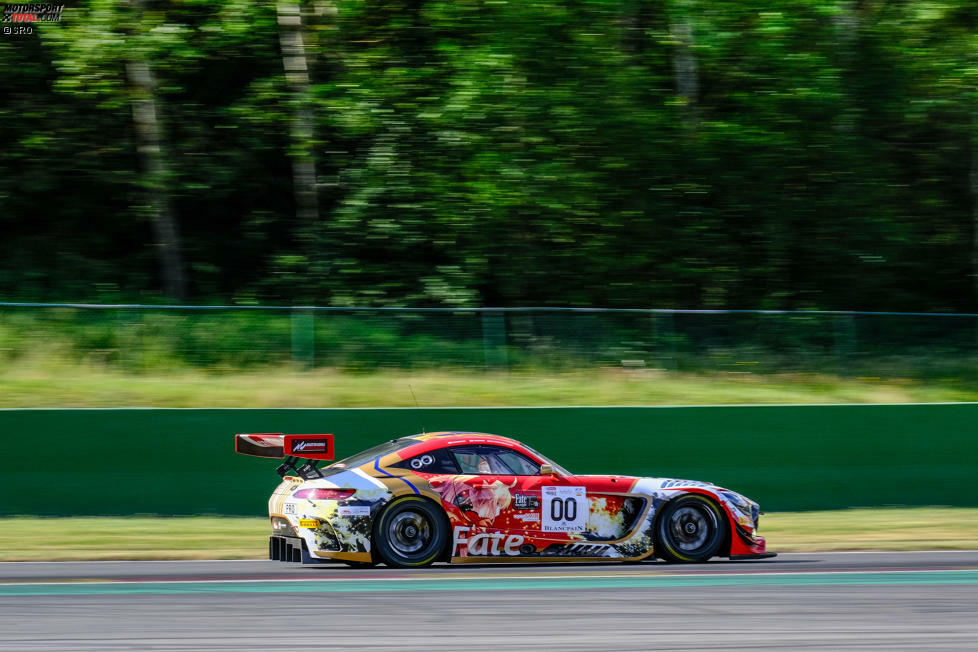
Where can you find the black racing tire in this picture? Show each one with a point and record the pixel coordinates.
(412, 532)
(690, 529)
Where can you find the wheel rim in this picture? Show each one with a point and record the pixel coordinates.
(692, 527)
(409, 532)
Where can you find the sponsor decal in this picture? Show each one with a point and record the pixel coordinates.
(532, 517)
(354, 510)
(289, 508)
(311, 523)
(279, 524)
(486, 544)
(524, 501)
(421, 462)
(674, 484)
(564, 509)
(314, 446)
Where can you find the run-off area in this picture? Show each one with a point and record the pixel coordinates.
(870, 601)
(877, 617)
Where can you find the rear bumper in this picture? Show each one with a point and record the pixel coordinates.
(285, 549)
(295, 550)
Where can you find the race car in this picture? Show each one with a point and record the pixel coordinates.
(470, 497)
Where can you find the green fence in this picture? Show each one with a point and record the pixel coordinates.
(152, 339)
(181, 461)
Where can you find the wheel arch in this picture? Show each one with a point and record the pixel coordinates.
(727, 525)
(444, 554)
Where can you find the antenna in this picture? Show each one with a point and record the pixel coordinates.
(415, 402)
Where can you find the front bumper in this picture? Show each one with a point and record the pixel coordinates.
(756, 555)
(747, 545)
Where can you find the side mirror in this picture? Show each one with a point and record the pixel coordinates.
(547, 469)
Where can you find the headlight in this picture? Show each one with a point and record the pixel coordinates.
(750, 510)
(740, 502)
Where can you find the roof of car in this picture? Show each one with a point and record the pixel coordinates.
(465, 437)
(428, 441)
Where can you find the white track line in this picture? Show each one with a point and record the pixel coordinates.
(95, 582)
(266, 561)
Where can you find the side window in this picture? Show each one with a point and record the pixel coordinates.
(493, 460)
(438, 461)
(520, 464)
(471, 460)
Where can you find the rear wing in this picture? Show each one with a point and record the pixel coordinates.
(292, 447)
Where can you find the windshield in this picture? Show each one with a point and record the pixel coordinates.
(377, 451)
(557, 467)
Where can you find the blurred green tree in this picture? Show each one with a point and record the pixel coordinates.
(793, 154)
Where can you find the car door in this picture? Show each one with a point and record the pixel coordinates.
(575, 516)
(557, 513)
(510, 494)
(486, 485)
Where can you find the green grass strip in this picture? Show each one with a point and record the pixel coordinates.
(144, 537)
(31, 386)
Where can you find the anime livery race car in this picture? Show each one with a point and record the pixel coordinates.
(473, 497)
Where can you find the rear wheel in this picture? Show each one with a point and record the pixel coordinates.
(411, 532)
(690, 529)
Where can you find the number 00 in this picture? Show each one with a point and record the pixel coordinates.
(563, 509)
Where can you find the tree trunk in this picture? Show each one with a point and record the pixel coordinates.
(847, 25)
(294, 61)
(684, 62)
(974, 211)
(149, 135)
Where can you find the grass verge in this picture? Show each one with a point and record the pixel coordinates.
(889, 528)
(36, 539)
(137, 537)
(78, 386)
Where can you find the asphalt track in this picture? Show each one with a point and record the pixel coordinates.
(818, 601)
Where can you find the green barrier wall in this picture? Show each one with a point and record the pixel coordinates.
(182, 461)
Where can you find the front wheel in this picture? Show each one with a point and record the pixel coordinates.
(690, 529)
(411, 532)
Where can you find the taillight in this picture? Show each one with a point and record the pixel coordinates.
(324, 494)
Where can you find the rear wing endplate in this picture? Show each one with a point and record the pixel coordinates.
(292, 447)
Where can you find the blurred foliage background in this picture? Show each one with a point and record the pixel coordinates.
(789, 154)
